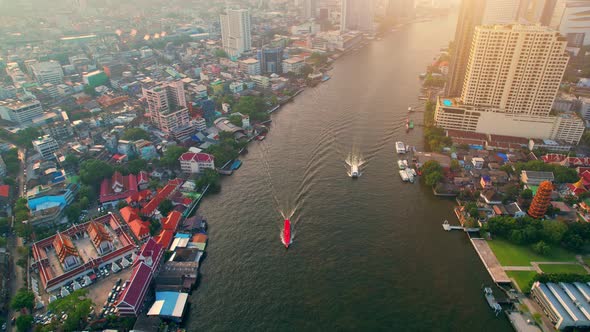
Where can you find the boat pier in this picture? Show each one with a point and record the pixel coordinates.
(447, 227)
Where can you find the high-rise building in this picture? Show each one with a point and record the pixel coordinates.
(271, 60)
(472, 14)
(236, 31)
(516, 69)
(167, 107)
(21, 112)
(572, 19)
(47, 72)
(512, 78)
(357, 15)
(309, 8)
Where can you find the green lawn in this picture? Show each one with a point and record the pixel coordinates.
(558, 268)
(522, 278)
(514, 255)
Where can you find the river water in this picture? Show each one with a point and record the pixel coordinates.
(368, 254)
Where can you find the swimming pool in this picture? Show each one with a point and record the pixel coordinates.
(447, 102)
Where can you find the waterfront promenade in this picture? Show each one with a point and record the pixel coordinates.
(490, 261)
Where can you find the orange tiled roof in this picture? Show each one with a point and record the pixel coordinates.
(64, 246)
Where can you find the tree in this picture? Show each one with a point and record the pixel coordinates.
(121, 204)
(89, 91)
(433, 178)
(209, 178)
(137, 165)
(527, 194)
(26, 136)
(541, 248)
(24, 298)
(4, 225)
(220, 53)
(236, 120)
(84, 203)
(93, 171)
(134, 134)
(165, 207)
(73, 212)
(455, 166)
(553, 231)
(88, 192)
(24, 323)
(253, 106)
(71, 161)
(77, 306)
(170, 158)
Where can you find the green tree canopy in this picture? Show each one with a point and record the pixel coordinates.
(77, 306)
(133, 134)
(165, 207)
(170, 158)
(93, 171)
(23, 298)
(253, 106)
(24, 323)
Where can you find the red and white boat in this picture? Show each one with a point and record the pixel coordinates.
(286, 233)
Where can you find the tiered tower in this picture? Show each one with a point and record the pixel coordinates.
(541, 200)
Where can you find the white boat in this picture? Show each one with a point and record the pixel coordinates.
(410, 109)
(354, 171)
(401, 164)
(404, 176)
(411, 171)
(406, 163)
(400, 147)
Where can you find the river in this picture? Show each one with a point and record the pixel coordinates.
(368, 254)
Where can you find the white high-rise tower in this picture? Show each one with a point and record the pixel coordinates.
(236, 31)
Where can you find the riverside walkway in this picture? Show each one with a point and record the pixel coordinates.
(490, 261)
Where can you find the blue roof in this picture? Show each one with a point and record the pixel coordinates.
(183, 236)
(169, 299)
(503, 156)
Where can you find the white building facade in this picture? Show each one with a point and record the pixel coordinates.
(236, 31)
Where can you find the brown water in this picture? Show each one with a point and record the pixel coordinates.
(368, 254)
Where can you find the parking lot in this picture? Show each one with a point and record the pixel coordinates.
(99, 292)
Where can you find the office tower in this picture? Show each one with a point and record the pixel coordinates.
(512, 77)
(236, 31)
(533, 11)
(472, 14)
(309, 8)
(515, 69)
(271, 60)
(167, 107)
(357, 15)
(47, 72)
(20, 111)
(572, 19)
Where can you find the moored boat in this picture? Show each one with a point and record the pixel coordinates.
(400, 147)
(401, 164)
(411, 125)
(404, 176)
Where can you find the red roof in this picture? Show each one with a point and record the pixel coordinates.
(162, 194)
(171, 222)
(165, 238)
(140, 228)
(150, 249)
(142, 177)
(128, 213)
(128, 183)
(196, 157)
(4, 190)
(139, 282)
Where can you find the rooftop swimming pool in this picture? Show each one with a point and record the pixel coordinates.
(447, 102)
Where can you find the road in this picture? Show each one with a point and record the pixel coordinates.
(22, 153)
(16, 281)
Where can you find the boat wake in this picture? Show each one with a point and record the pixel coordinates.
(354, 161)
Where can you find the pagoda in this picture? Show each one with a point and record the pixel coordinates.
(541, 200)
